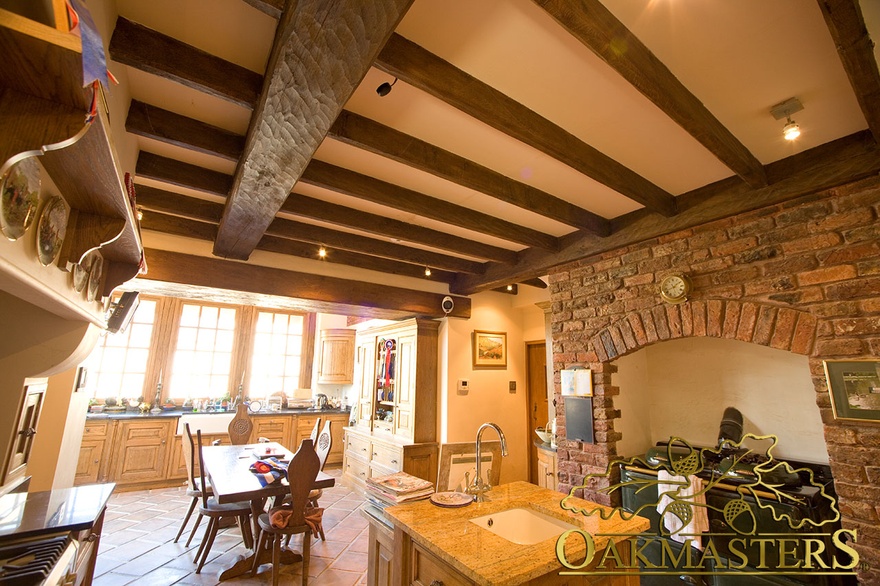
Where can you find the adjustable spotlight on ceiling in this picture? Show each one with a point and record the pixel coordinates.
(385, 88)
(784, 110)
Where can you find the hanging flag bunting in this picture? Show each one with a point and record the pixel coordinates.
(93, 57)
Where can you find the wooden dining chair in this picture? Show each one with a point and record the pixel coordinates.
(301, 474)
(195, 484)
(314, 435)
(215, 511)
(322, 448)
(458, 458)
(241, 426)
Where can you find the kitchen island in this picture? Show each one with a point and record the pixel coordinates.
(436, 544)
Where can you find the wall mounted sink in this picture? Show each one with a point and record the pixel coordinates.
(523, 526)
(207, 422)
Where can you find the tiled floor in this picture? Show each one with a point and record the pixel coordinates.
(136, 544)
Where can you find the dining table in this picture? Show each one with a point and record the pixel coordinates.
(228, 468)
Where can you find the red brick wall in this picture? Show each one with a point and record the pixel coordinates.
(802, 276)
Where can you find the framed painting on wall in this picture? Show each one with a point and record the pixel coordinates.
(489, 349)
(855, 388)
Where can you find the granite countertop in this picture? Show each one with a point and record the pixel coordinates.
(486, 558)
(177, 413)
(27, 514)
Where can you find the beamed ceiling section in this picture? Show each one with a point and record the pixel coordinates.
(540, 132)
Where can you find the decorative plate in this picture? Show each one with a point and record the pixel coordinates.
(51, 229)
(19, 197)
(451, 499)
(81, 274)
(255, 406)
(96, 271)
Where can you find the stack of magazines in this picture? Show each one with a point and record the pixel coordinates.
(397, 488)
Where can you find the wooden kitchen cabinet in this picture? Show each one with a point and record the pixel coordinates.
(177, 465)
(380, 544)
(140, 450)
(336, 356)
(275, 429)
(547, 469)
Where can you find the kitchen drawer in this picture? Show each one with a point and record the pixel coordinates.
(386, 455)
(356, 468)
(357, 446)
(427, 569)
(96, 429)
(377, 470)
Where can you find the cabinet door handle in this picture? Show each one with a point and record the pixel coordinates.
(394, 461)
(29, 432)
(549, 473)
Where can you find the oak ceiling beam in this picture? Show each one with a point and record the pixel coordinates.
(174, 172)
(181, 131)
(157, 221)
(600, 31)
(174, 267)
(158, 200)
(354, 184)
(367, 134)
(827, 166)
(856, 49)
(322, 51)
(273, 8)
(416, 66)
(137, 46)
(316, 209)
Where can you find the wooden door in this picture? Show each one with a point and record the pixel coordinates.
(336, 357)
(89, 464)
(536, 387)
(25, 432)
(405, 376)
(142, 451)
(366, 383)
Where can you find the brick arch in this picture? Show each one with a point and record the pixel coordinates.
(759, 323)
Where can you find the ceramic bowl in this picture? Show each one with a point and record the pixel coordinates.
(543, 434)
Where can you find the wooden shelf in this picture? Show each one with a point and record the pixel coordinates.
(42, 112)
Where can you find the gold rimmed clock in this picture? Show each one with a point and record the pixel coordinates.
(675, 288)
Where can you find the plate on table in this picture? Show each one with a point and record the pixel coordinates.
(451, 499)
(19, 198)
(51, 229)
(96, 271)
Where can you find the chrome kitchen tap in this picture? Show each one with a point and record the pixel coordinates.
(477, 487)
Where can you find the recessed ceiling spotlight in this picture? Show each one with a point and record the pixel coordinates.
(510, 287)
(427, 271)
(322, 252)
(385, 88)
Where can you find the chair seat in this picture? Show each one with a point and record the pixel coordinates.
(214, 508)
(267, 526)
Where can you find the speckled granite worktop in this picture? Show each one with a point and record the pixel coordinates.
(486, 558)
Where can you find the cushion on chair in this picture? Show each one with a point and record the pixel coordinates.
(280, 516)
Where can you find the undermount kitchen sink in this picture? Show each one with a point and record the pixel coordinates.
(522, 526)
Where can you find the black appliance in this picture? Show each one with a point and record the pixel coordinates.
(808, 503)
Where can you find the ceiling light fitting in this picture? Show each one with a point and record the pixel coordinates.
(322, 252)
(510, 287)
(427, 272)
(784, 110)
(385, 88)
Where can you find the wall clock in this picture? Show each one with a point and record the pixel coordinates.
(675, 288)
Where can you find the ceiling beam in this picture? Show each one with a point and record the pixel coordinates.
(354, 184)
(841, 161)
(174, 172)
(153, 199)
(600, 31)
(164, 126)
(416, 66)
(364, 133)
(174, 267)
(157, 221)
(316, 209)
(322, 51)
(147, 50)
(273, 8)
(856, 50)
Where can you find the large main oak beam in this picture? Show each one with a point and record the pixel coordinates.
(856, 49)
(424, 70)
(600, 31)
(174, 267)
(367, 134)
(842, 161)
(321, 53)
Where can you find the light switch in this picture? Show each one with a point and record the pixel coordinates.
(511, 386)
(463, 386)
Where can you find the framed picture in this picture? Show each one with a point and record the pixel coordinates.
(855, 388)
(577, 382)
(490, 349)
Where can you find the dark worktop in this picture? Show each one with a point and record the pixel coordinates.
(28, 514)
(178, 412)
